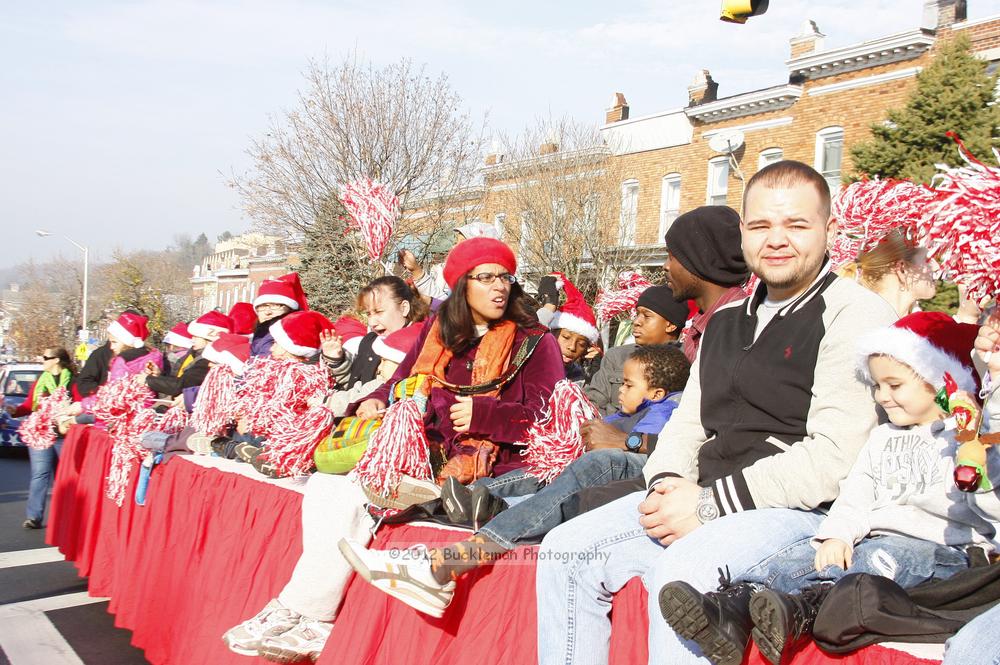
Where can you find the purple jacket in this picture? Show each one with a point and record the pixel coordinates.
(504, 419)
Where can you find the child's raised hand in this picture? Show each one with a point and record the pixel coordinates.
(834, 552)
(331, 344)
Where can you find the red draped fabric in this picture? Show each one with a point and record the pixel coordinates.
(210, 548)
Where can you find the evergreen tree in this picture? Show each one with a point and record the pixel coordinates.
(954, 93)
(334, 266)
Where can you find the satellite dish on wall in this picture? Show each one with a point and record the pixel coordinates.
(726, 141)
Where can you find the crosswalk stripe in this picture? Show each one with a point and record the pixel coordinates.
(29, 638)
(29, 557)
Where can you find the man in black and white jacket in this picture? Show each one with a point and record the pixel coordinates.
(772, 417)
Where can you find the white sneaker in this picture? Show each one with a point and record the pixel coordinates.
(274, 619)
(305, 640)
(403, 574)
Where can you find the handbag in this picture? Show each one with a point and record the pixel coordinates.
(341, 449)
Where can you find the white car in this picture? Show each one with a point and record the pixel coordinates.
(16, 380)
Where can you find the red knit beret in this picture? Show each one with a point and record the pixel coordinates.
(468, 254)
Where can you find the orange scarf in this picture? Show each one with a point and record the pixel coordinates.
(491, 360)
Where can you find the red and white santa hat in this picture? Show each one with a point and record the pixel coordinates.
(298, 333)
(395, 346)
(210, 325)
(351, 332)
(575, 314)
(178, 336)
(130, 329)
(231, 350)
(285, 290)
(244, 318)
(929, 343)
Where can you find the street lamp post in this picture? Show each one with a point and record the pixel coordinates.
(86, 276)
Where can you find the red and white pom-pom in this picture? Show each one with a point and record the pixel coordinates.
(622, 299)
(866, 211)
(120, 399)
(127, 450)
(962, 231)
(216, 405)
(173, 420)
(36, 430)
(399, 447)
(555, 441)
(275, 390)
(290, 448)
(374, 209)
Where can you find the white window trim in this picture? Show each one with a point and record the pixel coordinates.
(709, 194)
(498, 223)
(765, 155)
(821, 137)
(627, 230)
(667, 181)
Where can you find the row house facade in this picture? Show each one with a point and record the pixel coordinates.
(824, 102)
(238, 266)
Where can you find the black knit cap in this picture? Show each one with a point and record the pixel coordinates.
(660, 299)
(707, 242)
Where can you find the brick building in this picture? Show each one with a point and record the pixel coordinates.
(237, 267)
(823, 102)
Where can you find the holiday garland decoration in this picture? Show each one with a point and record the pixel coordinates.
(399, 447)
(121, 405)
(962, 230)
(274, 391)
(621, 300)
(290, 448)
(173, 420)
(37, 429)
(868, 210)
(374, 210)
(554, 441)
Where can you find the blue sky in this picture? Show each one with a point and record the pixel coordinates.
(119, 121)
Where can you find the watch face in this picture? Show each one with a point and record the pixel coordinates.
(707, 511)
(633, 442)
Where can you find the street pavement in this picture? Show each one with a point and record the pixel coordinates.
(46, 616)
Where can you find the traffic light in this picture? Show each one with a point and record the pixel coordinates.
(738, 11)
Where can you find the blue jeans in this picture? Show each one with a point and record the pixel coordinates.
(585, 561)
(907, 561)
(43, 468)
(537, 515)
(976, 642)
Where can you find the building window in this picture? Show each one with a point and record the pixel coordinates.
(670, 201)
(499, 220)
(629, 212)
(770, 156)
(718, 181)
(829, 154)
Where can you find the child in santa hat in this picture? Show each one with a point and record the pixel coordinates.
(192, 368)
(178, 342)
(392, 349)
(900, 513)
(573, 323)
(276, 299)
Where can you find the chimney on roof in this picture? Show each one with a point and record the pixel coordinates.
(943, 13)
(618, 110)
(809, 40)
(702, 89)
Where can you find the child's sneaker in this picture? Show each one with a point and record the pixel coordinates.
(718, 622)
(780, 620)
(245, 452)
(303, 641)
(403, 574)
(274, 619)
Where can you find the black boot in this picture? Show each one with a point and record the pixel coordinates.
(718, 621)
(471, 505)
(780, 619)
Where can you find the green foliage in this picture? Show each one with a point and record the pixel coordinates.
(953, 93)
(946, 299)
(334, 265)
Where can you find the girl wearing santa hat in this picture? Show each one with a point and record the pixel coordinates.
(276, 299)
(490, 369)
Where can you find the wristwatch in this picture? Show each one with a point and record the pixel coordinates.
(634, 442)
(707, 509)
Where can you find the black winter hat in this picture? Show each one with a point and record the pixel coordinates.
(660, 299)
(707, 242)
